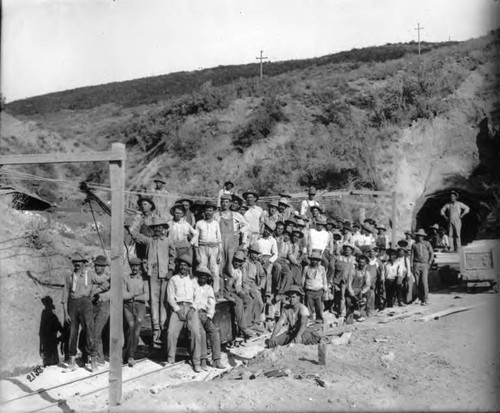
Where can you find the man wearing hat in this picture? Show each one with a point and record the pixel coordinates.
(285, 209)
(187, 203)
(159, 264)
(357, 237)
(181, 296)
(393, 279)
(209, 245)
(347, 232)
(254, 281)
(409, 239)
(233, 231)
(343, 269)
(227, 189)
(143, 220)
(315, 284)
(254, 216)
(269, 254)
(236, 203)
(375, 267)
(306, 204)
(78, 310)
(321, 240)
(382, 240)
(296, 255)
(198, 210)
(404, 259)
(161, 197)
(101, 279)
(272, 213)
(204, 302)
(134, 309)
(295, 315)
(182, 235)
(453, 212)
(433, 236)
(234, 291)
(359, 292)
(422, 256)
(443, 242)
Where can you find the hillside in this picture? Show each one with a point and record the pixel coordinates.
(379, 118)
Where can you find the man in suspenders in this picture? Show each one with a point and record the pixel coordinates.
(233, 231)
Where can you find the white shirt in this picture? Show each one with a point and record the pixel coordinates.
(269, 246)
(306, 204)
(208, 232)
(254, 217)
(180, 289)
(318, 240)
(181, 231)
(204, 298)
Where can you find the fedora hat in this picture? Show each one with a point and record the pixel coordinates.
(421, 232)
(291, 222)
(363, 256)
(78, 257)
(285, 194)
(320, 221)
(202, 270)
(177, 206)
(300, 223)
(101, 260)
(403, 243)
(182, 200)
(273, 204)
(159, 178)
(134, 261)
(186, 259)
(316, 207)
(347, 227)
(210, 204)
(271, 225)
(295, 289)
(236, 197)
(312, 190)
(349, 245)
(239, 256)
(250, 191)
(284, 201)
(374, 248)
(408, 233)
(229, 183)
(254, 248)
(147, 199)
(159, 222)
(454, 193)
(229, 197)
(337, 233)
(390, 251)
(299, 233)
(315, 255)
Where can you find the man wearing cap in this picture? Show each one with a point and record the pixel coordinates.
(422, 256)
(78, 310)
(241, 297)
(226, 190)
(306, 204)
(393, 279)
(254, 216)
(159, 263)
(134, 309)
(233, 231)
(315, 284)
(204, 302)
(182, 235)
(295, 315)
(208, 249)
(100, 293)
(453, 212)
(254, 281)
(181, 296)
(359, 292)
(161, 196)
(269, 253)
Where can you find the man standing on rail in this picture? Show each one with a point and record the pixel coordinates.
(180, 296)
(134, 309)
(453, 212)
(78, 310)
(254, 216)
(233, 231)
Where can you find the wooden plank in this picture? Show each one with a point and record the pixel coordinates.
(113, 155)
(394, 218)
(372, 193)
(443, 313)
(117, 177)
(402, 315)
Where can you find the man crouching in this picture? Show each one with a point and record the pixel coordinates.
(180, 296)
(296, 315)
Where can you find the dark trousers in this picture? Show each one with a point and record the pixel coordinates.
(210, 331)
(355, 303)
(314, 302)
(242, 308)
(134, 312)
(101, 317)
(81, 313)
(394, 291)
(421, 273)
(309, 336)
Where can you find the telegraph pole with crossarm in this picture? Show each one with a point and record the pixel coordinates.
(261, 58)
(418, 28)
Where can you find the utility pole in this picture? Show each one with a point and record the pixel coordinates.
(418, 28)
(261, 58)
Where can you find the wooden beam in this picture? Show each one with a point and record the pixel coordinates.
(452, 310)
(372, 193)
(406, 314)
(113, 155)
(394, 218)
(117, 176)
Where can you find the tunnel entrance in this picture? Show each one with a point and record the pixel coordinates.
(429, 213)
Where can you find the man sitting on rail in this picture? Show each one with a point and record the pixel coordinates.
(254, 281)
(204, 302)
(180, 296)
(295, 315)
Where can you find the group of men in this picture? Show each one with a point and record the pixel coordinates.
(263, 261)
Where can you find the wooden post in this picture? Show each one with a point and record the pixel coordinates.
(394, 218)
(117, 175)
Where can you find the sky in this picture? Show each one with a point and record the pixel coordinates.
(53, 45)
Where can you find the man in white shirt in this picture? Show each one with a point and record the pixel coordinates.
(306, 204)
(315, 285)
(393, 279)
(181, 296)
(161, 196)
(208, 249)
(227, 190)
(357, 237)
(254, 216)
(453, 212)
(182, 235)
(269, 253)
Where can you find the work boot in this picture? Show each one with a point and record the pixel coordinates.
(93, 364)
(131, 362)
(204, 364)
(401, 304)
(218, 365)
(72, 366)
(247, 333)
(156, 337)
(197, 368)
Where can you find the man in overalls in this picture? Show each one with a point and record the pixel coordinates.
(456, 211)
(233, 231)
